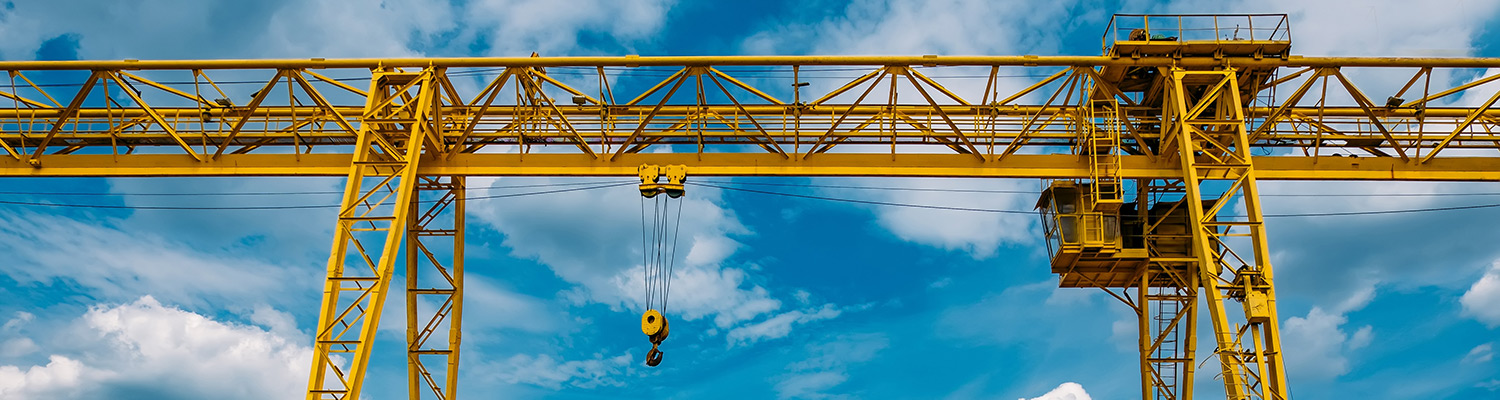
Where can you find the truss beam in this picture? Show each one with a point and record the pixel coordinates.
(1055, 166)
(163, 107)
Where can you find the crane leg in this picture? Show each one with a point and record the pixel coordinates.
(437, 219)
(399, 116)
(1167, 300)
(1233, 263)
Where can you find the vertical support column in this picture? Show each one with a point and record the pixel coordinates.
(1167, 322)
(1204, 119)
(400, 117)
(1148, 374)
(434, 287)
(1167, 294)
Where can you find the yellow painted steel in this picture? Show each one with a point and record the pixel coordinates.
(1177, 115)
(652, 322)
(401, 116)
(438, 222)
(1057, 166)
(1210, 135)
(312, 117)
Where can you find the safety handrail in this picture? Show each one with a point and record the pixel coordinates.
(1196, 28)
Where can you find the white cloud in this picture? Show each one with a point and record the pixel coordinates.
(827, 365)
(159, 29)
(1361, 338)
(810, 385)
(947, 27)
(173, 30)
(1482, 300)
(1491, 385)
(1027, 314)
(147, 349)
(293, 235)
(780, 325)
(519, 27)
(61, 377)
(488, 307)
(704, 292)
(279, 323)
(924, 27)
(804, 297)
(1480, 354)
(21, 319)
(941, 283)
(1446, 28)
(1066, 391)
(710, 250)
(589, 237)
(1316, 345)
(17, 347)
(118, 264)
(976, 233)
(545, 371)
(492, 312)
(593, 239)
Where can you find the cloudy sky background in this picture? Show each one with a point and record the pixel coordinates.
(777, 297)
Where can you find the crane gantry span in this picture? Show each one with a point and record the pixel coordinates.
(1173, 109)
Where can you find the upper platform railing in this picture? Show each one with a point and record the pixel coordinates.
(1183, 28)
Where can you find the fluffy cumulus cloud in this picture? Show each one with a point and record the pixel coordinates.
(1316, 344)
(1482, 300)
(127, 349)
(1066, 391)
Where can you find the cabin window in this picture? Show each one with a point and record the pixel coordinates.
(1068, 227)
(1067, 201)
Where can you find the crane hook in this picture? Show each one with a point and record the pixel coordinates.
(655, 326)
(659, 256)
(653, 357)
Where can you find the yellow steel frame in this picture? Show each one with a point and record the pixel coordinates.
(401, 118)
(446, 290)
(167, 109)
(1212, 144)
(412, 130)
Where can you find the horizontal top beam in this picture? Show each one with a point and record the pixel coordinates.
(630, 61)
(1056, 166)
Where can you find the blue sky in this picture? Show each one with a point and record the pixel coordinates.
(780, 298)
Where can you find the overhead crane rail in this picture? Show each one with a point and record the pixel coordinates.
(1170, 111)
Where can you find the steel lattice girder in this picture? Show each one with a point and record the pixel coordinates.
(519, 105)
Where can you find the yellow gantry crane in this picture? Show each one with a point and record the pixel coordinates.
(1154, 149)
